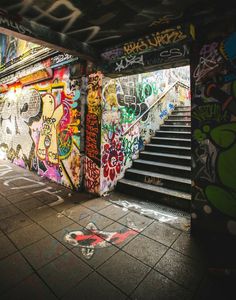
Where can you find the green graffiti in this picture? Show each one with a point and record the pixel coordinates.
(223, 196)
(127, 115)
(130, 147)
(200, 135)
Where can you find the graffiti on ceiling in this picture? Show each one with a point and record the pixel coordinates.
(105, 23)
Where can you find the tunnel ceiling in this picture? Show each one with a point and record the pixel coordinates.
(105, 23)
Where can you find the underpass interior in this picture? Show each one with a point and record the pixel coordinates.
(62, 227)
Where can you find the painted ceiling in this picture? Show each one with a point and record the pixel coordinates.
(105, 23)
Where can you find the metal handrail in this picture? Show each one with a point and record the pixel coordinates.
(154, 103)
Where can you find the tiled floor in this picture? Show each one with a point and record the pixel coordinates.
(116, 253)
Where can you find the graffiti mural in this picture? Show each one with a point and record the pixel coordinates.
(91, 238)
(13, 49)
(127, 123)
(40, 124)
(214, 132)
(93, 133)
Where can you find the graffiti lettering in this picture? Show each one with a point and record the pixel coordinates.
(14, 25)
(92, 133)
(60, 58)
(209, 60)
(92, 176)
(126, 62)
(156, 40)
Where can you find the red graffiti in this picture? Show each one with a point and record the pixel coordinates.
(112, 159)
(92, 132)
(92, 175)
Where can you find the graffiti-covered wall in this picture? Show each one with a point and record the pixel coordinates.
(93, 134)
(40, 122)
(214, 136)
(12, 49)
(125, 126)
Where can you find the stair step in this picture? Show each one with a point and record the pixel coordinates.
(177, 117)
(168, 149)
(184, 108)
(158, 175)
(158, 164)
(174, 132)
(172, 139)
(166, 158)
(186, 128)
(177, 123)
(169, 146)
(171, 119)
(156, 189)
(181, 112)
(172, 169)
(167, 155)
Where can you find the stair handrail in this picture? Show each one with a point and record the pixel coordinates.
(155, 102)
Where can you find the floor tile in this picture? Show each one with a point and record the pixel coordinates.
(118, 234)
(66, 205)
(55, 223)
(135, 221)
(43, 251)
(113, 212)
(6, 247)
(15, 198)
(124, 271)
(9, 193)
(98, 220)
(78, 212)
(96, 256)
(161, 233)
(63, 273)
(187, 245)
(101, 289)
(30, 288)
(27, 235)
(15, 222)
(96, 204)
(157, 287)
(13, 269)
(181, 269)
(28, 204)
(8, 211)
(4, 202)
(38, 214)
(145, 249)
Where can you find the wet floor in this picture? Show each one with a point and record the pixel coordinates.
(58, 244)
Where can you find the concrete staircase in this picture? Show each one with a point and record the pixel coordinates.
(162, 172)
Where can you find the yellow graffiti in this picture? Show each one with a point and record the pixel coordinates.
(50, 118)
(155, 40)
(110, 94)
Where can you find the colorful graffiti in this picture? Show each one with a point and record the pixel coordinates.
(156, 40)
(40, 127)
(125, 101)
(115, 62)
(13, 50)
(93, 133)
(214, 131)
(91, 238)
